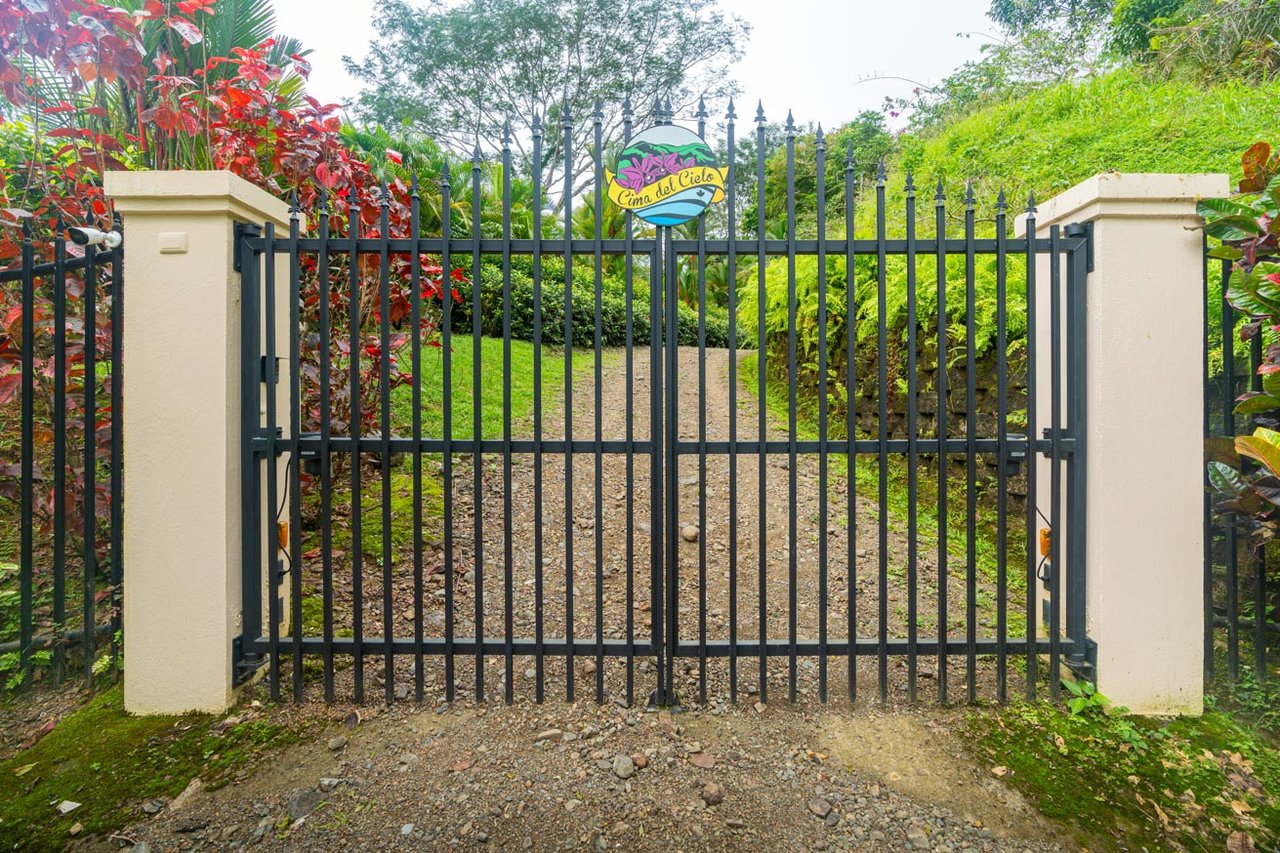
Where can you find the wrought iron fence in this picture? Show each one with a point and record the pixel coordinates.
(1241, 631)
(60, 480)
(841, 600)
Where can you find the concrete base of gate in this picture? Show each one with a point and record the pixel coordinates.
(182, 435)
(1144, 549)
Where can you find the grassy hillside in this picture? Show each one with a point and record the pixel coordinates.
(1125, 121)
(1044, 143)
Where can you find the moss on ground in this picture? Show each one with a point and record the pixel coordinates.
(1187, 782)
(371, 511)
(111, 762)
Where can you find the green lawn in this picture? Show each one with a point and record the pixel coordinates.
(462, 395)
(491, 387)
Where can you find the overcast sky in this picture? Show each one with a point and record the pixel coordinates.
(818, 58)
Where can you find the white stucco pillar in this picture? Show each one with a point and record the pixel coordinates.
(1144, 468)
(182, 431)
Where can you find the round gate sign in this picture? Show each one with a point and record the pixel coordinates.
(666, 175)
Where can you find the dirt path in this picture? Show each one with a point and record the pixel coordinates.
(582, 776)
(606, 560)
(611, 558)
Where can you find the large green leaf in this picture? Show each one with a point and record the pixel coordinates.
(1226, 479)
(1251, 294)
(1272, 192)
(1235, 227)
(1226, 253)
(1264, 446)
(1215, 208)
(1256, 404)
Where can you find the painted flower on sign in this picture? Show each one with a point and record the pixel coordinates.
(666, 175)
(651, 168)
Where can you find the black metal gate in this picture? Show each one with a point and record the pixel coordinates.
(964, 574)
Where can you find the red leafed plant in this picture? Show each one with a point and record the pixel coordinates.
(87, 87)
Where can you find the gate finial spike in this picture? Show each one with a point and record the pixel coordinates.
(506, 133)
(881, 174)
(566, 117)
(941, 193)
(848, 156)
(384, 195)
(730, 114)
(791, 124)
(294, 207)
(1001, 204)
(969, 199)
(910, 185)
(323, 200)
(444, 172)
(537, 123)
(597, 111)
(26, 229)
(702, 107)
(476, 157)
(413, 185)
(1031, 202)
(819, 138)
(626, 107)
(760, 112)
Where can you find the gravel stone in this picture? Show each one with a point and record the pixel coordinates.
(623, 767)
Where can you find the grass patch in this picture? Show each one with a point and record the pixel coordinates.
(110, 762)
(867, 480)
(462, 395)
(1191, 782)
(491, 387)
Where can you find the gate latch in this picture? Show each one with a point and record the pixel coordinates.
(1015, 453)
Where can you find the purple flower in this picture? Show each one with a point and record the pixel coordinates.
(631, 177)
(651, 168)
(673, 164)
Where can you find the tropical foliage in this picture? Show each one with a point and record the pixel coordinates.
(1244, 471)
(89, 87)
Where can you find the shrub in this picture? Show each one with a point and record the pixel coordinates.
(613, 306)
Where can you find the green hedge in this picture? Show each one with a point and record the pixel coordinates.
(613, 307)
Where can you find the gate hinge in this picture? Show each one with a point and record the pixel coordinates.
(1084, 663)
(239, 231)
(243, 666)
(1085, 230)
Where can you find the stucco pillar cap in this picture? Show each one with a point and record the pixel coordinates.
(177, 193)
(1127, 195)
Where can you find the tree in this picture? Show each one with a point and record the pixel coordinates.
(1019, 17)
(1132, 23)
(457, 73)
